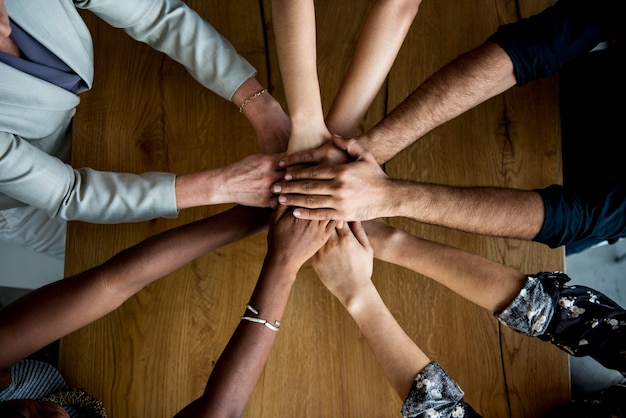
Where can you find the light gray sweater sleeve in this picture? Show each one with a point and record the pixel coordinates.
(31, 176)
(170, 26)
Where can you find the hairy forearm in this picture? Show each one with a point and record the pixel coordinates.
(493, 211)
(397, 355)
(469, 80)
(478, 279)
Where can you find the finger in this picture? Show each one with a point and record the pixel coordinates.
(305, 187)
(360, 234)
(306, 201)
(317, 172)
(343, 232)
(279, 212)
(314, 215)
(353, 148)
(303, 157)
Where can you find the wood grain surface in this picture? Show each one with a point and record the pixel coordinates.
(152, 356)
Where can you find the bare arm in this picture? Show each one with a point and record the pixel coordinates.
(294, 25)
(336, 192)
(381, 37)
(344, 265)
(482, 281)
(469, 80)
(291, 242)
(55, 310)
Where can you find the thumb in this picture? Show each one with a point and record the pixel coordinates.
(351, 146)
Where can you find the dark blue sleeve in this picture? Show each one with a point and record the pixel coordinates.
(587, 212)
(541, 44)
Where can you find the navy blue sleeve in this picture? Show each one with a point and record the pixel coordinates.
(588, 212)
(541, 44)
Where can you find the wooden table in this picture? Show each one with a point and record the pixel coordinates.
(153, 355)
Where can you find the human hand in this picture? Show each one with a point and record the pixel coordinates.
(248, 180)
(272, 128)
(380, 235)
(293, 241)
(353, 192)
(344, 264)
(307, 135)
(327, 154)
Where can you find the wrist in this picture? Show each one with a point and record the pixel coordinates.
(282, 270)
(394, 197)
(198, 189)
(359, 299)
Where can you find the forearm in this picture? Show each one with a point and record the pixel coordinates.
(480, 280)
(62, 307)
(398, 356)
(294, 26)
(493, 211)
(238, 369)
(469, 80)
(381, 37)
(200, 189)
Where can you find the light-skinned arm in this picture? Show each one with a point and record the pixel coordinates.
(482, 281)
(53, 311)
(294, 26)
(344, 265)
(291, 242)
(337, 192)
(383, 32)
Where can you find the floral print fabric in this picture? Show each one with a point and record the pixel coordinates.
(577, 319)
(435, 394)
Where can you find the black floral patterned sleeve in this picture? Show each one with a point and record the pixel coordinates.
(577, 319)
(435, 394)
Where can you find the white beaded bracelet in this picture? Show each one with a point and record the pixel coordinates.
(262, 321)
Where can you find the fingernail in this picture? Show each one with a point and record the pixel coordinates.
(276, 188)
(282, 199)
(273, 204)
(288, 177)
(281, 163)
(296, 213)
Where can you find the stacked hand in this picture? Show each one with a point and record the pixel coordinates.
(330, 188)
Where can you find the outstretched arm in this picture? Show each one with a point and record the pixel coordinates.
(381, 37)
(482, 281)
(291, 242)
(55, 310)
(344, 265)
(294, 25)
